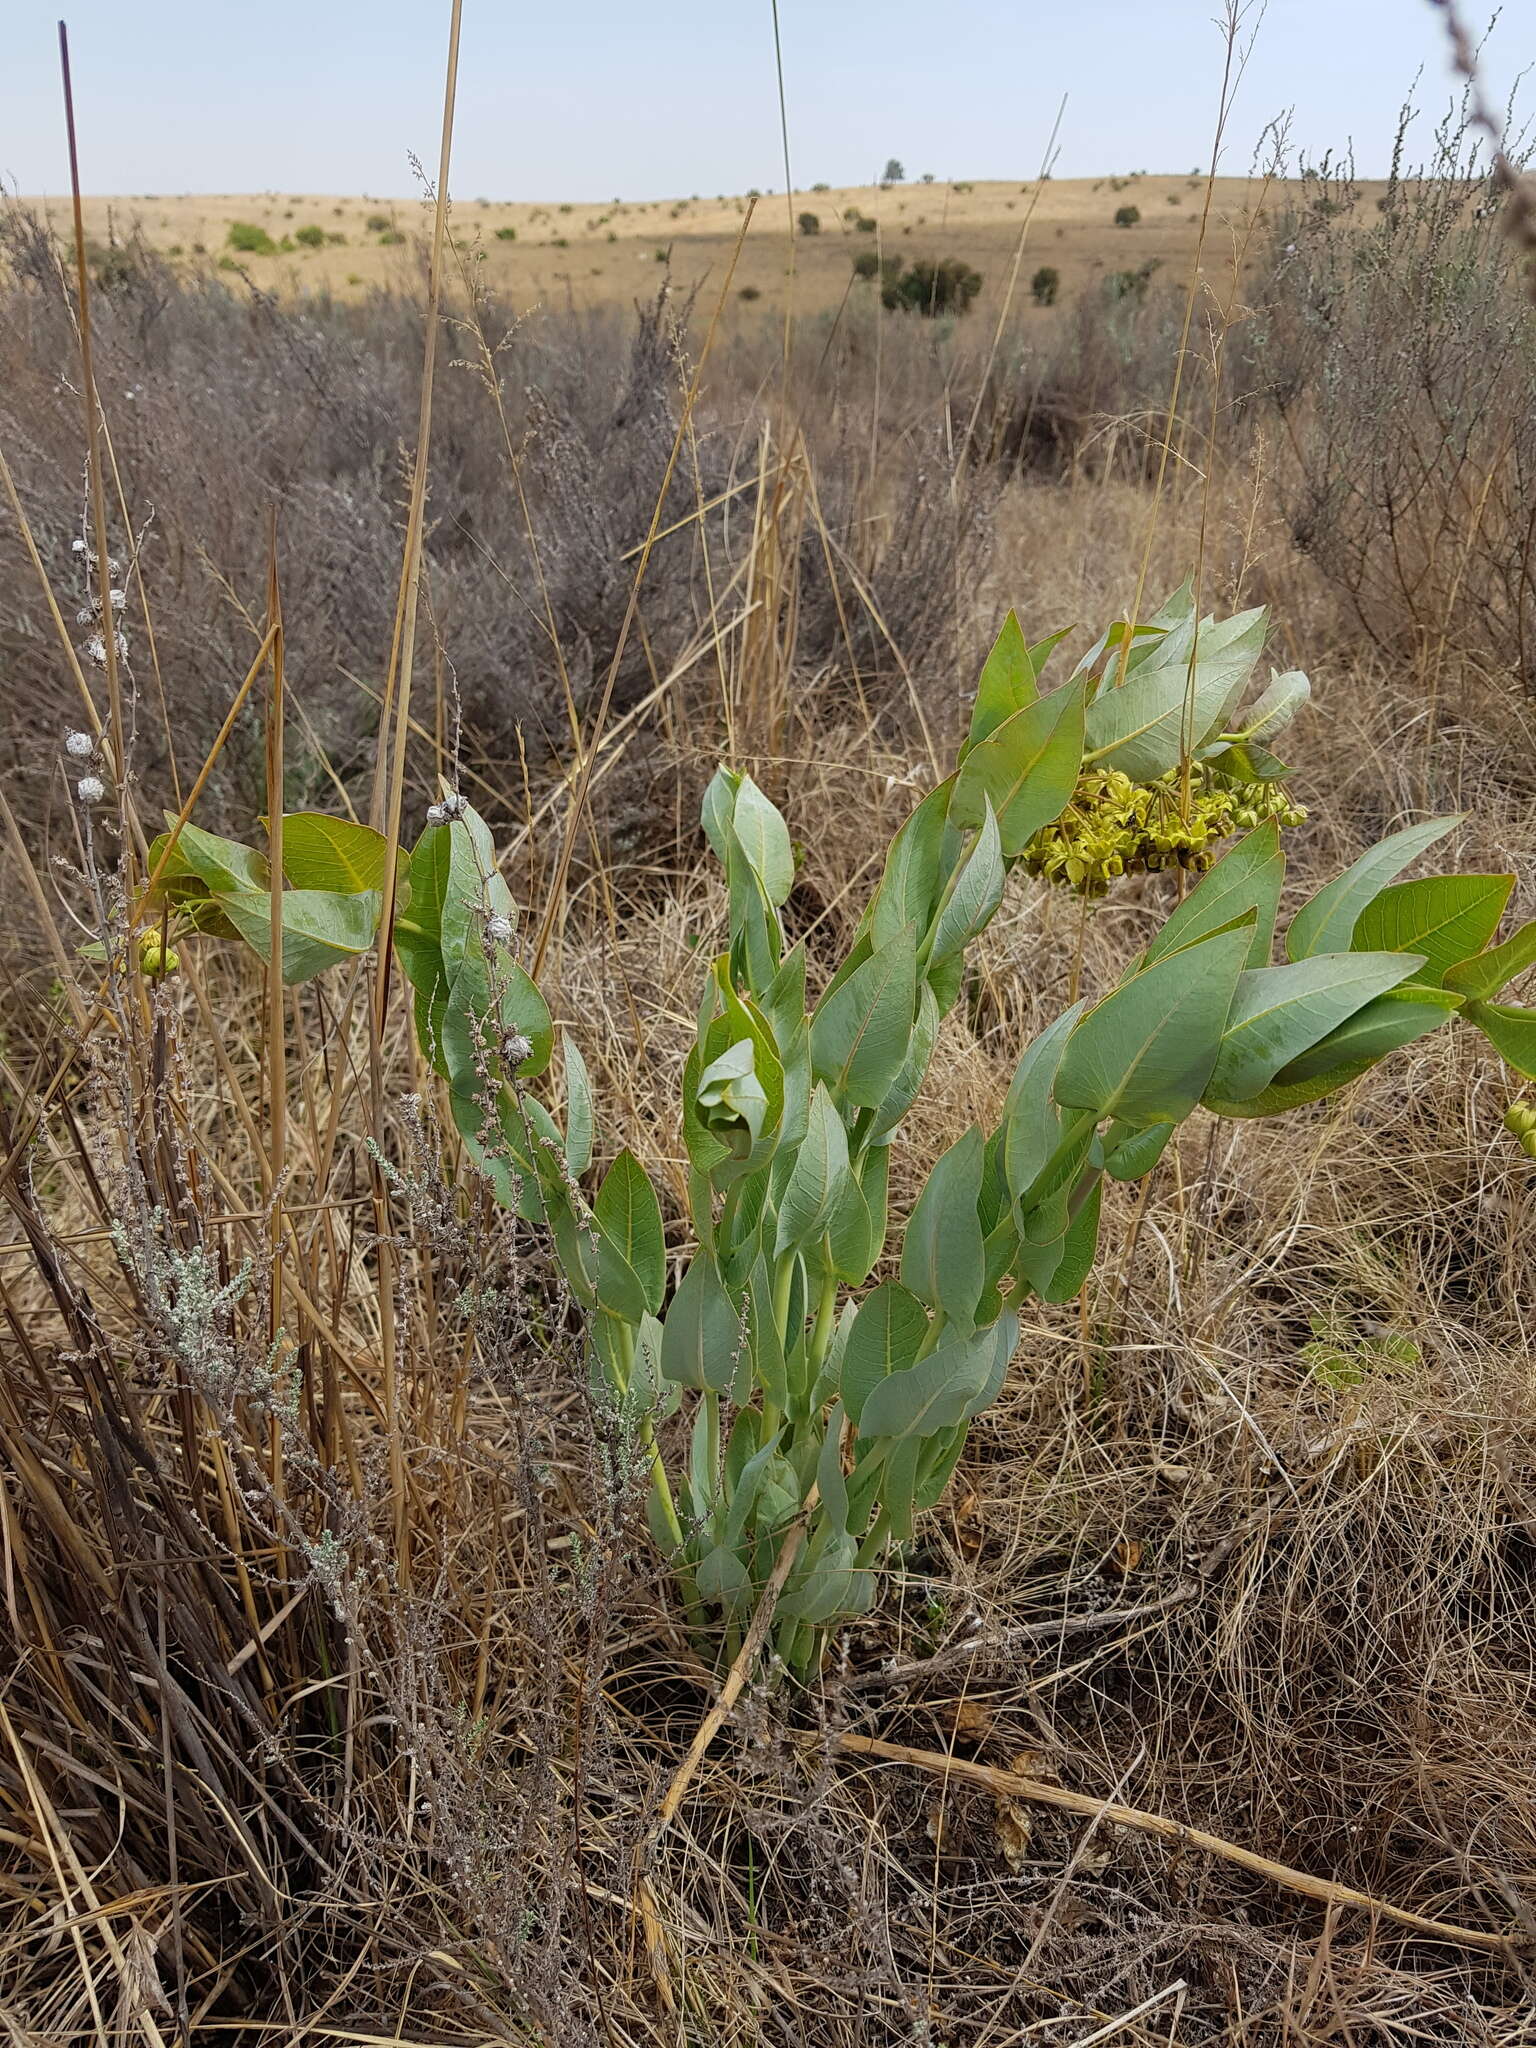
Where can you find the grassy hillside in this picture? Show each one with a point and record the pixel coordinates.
(594, 255)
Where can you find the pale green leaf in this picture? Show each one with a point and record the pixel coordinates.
(1446, 918)
(1279, 1012)
(1327, 923)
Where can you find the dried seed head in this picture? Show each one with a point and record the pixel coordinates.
(90, 789)
(454, 806)
(498, 929)
(77, 547)
(79, 745)
(435, 815)
(515, 1049)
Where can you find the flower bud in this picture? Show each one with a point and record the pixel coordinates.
(155, 957)
(1520, 1120)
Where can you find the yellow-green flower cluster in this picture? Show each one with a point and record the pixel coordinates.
(1520, 1122)
(1114, 826)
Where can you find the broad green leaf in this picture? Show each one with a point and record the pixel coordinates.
(817, 1179)
(1382, 1026)
(857, 1235)
(1485, 974)
(332, 853)
(723, 1580)
(1031, 1124)
(904, 1090)
(1446, 918)
(1275, 706)
(715, 815)
(933, 1394)
(578, 1108)
(1327, 923)
(629, 1216)
(942, 1255)
(1135, 1153)
(1163, 710)
(1007, 681)
(701, 1332)
(223, 864)
(763, 837)
(766, 1338)
(1079, 1249)
(885, 1337)
(1279, 1012)
(973, 901)
(1511, 1031)
(1145, 1053)
(915, 868)
(319, 928)
(1026, 769)
(1248, 877)
(860, 1031)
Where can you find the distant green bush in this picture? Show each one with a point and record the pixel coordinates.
(377, 223)
(310, 237)
(506, 234)
(930, 288)
(864, 225)
(1127, 216)
(391, 236)
(810, 223)
(1045, 284)
(250, 240)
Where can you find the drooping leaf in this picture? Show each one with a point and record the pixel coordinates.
(718, 806)
(1327, 923)
(1279, 1012)
(886, 1334)
(1026, 769)
(1145, 1053)
(857, 1235)
(1446, 918)
(942, 1257)
(861, 1031)
(1132, 1154)
(1247, 877)
(1079, 1249)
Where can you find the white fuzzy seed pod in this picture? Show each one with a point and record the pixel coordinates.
(498, 930)
(79, 746)
(90, 789)
(454, 806)
(515, 1049)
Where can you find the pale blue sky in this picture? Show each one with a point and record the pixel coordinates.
(588, 99)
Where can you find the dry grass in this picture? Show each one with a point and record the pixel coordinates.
(344, 1683)
(1072, 229)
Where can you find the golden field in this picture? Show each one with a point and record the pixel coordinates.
(587, 254)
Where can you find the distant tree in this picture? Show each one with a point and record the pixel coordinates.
(809, 223)
(864, 224)
(821, 185)
(893, 174)
(1044, 285)
(947, 286)
(927, 177)
(1127, 216)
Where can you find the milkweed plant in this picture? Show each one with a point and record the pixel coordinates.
(827, 1407)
